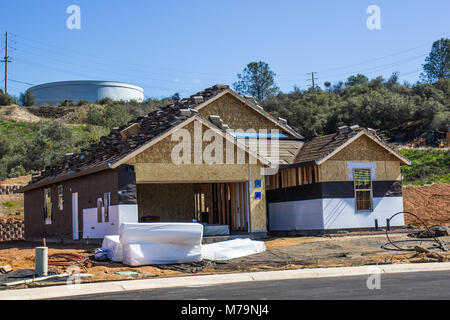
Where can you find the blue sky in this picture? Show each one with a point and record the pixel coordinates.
(184, 46)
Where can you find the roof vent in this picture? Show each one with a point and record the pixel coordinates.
(251, 99)
(216, 120)
(343, 130)
(354, 127)
(283, 121)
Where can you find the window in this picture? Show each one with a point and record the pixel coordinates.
(48, 206)
(106, 204)
(363, 189)
(60, 198)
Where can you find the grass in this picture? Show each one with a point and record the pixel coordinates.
(12, 208)
(429, 166)
(18, 130)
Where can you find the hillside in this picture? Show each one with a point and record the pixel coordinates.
(414, 115)
(402, 112)
(429, 166)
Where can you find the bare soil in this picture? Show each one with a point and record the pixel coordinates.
(281, 254)
(20, 255)
(19, 181)
(430, 203)
(17, 113)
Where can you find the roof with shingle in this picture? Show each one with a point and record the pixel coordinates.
(128, 138)
(114, 146)
(320, 147)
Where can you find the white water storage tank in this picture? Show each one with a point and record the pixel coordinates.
(54, 93)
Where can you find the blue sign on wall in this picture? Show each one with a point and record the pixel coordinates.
(257, 195)
(257, 183)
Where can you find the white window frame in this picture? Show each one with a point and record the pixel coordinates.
(60, 198)
(48, 206)
(370, 190)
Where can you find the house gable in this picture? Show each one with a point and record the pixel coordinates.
(155, 163)
(364, 149)
(238, 114)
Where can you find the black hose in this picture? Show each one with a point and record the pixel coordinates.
(397, 248)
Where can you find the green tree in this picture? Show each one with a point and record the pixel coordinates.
(359, 79)
(27, 99)
(257, 80)
(5, 99)
(437, 64)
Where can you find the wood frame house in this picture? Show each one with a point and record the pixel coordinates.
(347, 180)
(151, 170)
(130, 175)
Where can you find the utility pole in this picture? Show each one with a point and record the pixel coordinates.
(6, 60)
(313, 79)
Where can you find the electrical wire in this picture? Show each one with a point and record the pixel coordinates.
(21, 82)
(440, 244)
(68, 259)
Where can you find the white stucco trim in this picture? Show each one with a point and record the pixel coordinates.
(361, 165)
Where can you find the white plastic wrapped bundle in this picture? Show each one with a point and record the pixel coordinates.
(113, 247)
(236, 248)
(173, 233)
(161, 243)
(139, 254)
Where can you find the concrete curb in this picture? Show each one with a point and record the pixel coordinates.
(210, 280)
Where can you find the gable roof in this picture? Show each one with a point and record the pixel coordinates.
(250, 102)
(129, 138)
(320, 149)
(206, 123)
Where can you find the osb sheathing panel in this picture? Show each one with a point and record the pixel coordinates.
(257, 206)
(337, 170)
(169, 172)
(169, 202)
(362, 149)
(237, 114)
(155, 165)
(161, 152)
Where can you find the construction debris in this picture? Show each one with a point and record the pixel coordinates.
(428, 233)
(33, 280)
(6, 269)
(434, 231)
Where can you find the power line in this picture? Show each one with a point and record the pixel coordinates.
(22, 82)
(46, 67)
(117, 61)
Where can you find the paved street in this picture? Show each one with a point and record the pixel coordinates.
(418, 285)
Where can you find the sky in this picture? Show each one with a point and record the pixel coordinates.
(185, 46)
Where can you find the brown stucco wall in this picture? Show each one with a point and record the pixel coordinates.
(89, 188)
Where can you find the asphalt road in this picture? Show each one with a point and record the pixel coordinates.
(394, 286)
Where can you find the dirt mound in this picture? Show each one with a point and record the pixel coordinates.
(17, 113)
(19, 181)
(430, 203)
